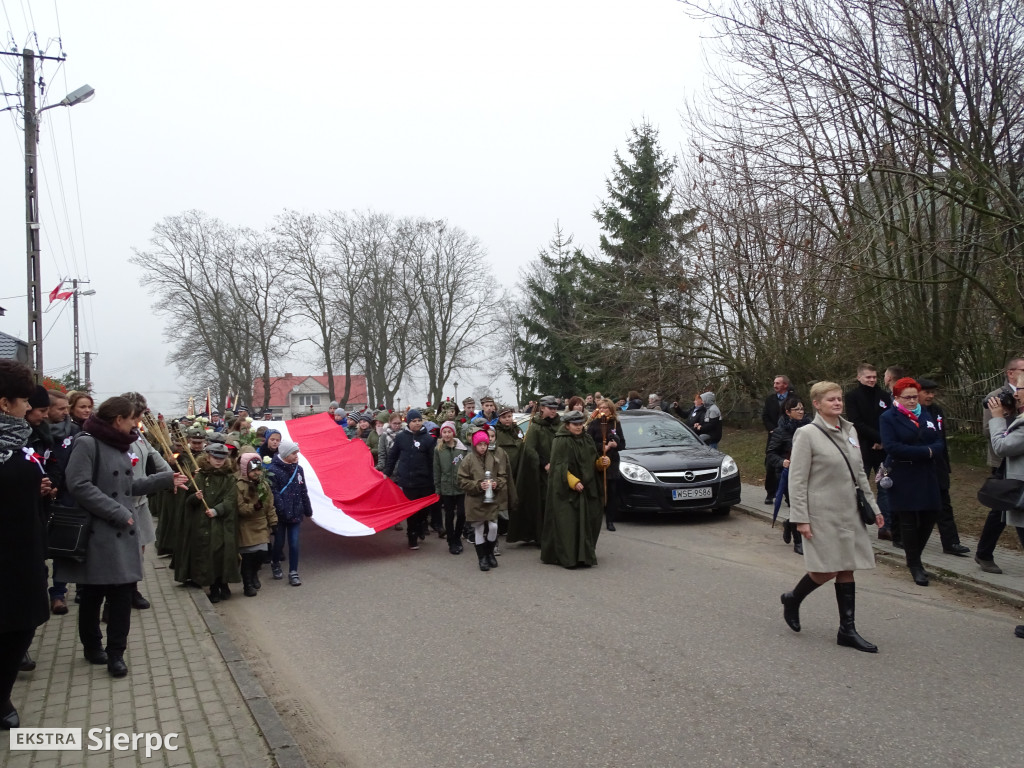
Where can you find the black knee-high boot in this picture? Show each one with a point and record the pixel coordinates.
(257, 563)
(481, 553)
(848, 636)
(791, 601)
(913, 545)
(248, 588)
(491, 559)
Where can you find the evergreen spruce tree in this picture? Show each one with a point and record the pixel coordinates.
(639, 305)
(552, 346)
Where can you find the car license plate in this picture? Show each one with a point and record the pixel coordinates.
(681, 494)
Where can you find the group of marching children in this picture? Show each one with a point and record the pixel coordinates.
(473, 481)
(247, 501)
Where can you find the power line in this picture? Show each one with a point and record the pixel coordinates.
(59, 239)
(60, 35)
(9, 25)
(78, 191)
(31, 25)
(54, 323)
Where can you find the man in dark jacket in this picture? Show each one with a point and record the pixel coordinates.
(770, 415)
(772, 411)
(61, 425)
(944, 520)
(865, 404)
(410, 464)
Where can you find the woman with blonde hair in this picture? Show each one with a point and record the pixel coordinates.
(80, 405)
(825, 472)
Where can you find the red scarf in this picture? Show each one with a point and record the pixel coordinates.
(909, 414)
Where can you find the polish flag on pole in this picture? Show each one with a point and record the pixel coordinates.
(209, 405)
(228, 401)
(57, 295)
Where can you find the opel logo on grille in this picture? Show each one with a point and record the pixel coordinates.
(688, 476)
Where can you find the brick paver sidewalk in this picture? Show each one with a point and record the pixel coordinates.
(179, 681)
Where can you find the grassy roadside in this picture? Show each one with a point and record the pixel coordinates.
(746, 446)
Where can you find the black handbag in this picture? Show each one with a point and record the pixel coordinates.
(1002, 494)
(67, 533)
(68, 528)
(867, 514)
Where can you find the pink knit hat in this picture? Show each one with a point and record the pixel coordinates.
(480, 436)
(245, 460)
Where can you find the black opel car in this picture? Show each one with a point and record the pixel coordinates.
(666, 468)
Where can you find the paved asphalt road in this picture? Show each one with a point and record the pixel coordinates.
(671, 652)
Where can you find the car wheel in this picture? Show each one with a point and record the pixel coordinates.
(721, 511)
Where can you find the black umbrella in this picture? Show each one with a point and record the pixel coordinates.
(780, 494)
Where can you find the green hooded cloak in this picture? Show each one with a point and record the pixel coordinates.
(526, 521)
(209, 545)
(572, 522)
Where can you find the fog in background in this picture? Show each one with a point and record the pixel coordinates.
(500, 118)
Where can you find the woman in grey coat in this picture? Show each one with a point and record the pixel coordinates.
(824, 508)
(99, 477)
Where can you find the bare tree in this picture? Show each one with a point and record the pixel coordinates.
(315, 281)
(510, 338)
(262, 297)
(374, 316)
(188, 269)
(873, 149)
(450, 297)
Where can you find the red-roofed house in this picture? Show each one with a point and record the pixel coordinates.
(292, 396)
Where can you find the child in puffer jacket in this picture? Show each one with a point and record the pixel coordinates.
(291, 499)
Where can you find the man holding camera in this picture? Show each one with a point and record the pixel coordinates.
(994, 524)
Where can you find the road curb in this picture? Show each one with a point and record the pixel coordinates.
(282, 744)
(1012, 597)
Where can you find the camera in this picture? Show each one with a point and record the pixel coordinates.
(1006, 399)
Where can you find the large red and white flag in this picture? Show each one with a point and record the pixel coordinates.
(58, 295)
(349, 496)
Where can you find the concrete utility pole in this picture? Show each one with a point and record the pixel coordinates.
(88, 370)
(35, 293)
(74, 301)
(34, 300)
(75, 293)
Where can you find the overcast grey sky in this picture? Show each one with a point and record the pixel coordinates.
(502, 118)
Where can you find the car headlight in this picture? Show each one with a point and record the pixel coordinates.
(635, 472)
(729, 467)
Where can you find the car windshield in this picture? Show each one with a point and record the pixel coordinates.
(656, 432)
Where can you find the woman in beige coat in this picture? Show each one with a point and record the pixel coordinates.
(824, 508)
